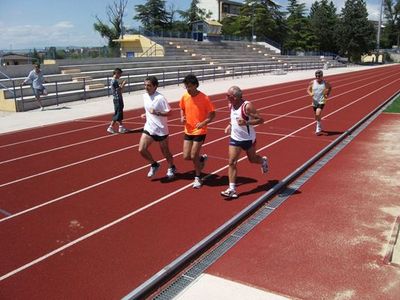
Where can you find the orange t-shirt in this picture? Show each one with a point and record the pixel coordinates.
(196, 110)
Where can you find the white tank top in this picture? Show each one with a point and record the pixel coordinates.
(318, 92)
(241, 133)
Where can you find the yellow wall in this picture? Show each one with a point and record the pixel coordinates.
(372, 58)
(6, 105)
(140, 45)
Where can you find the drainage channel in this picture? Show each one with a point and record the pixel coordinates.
(247, 218)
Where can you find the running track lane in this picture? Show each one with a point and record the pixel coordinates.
(125, 254)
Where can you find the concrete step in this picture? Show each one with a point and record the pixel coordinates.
(95, 86)
(82, 78)
(70, 71)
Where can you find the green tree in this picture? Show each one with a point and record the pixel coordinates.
(323, 21)
(355, 34)
(298, 29)
(115, 15)
(261, 18)
(391, 31)
(35, 56)
(193, 14)
(153, 15)
(230, 26)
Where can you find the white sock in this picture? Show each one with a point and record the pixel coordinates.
(232, 186)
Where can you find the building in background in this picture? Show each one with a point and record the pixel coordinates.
(221, 8)
(14, 59)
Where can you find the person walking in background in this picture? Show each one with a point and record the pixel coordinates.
(36, 78)
(242, 136)
(156, 128)
(117, 89)
(197, 111)
(319, 89)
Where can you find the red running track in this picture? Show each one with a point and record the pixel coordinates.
(80, 219)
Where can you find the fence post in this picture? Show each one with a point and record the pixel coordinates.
(108, 85)
(84, 88)
(57, 93)
(22, 99)
(214, 73)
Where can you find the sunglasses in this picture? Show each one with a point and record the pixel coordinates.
(230, 96)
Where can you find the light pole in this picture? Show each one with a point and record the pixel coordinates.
(378, 38)
(253, 37)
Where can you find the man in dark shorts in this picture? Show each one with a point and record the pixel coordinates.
(197, 111)
(242, 137)
(117, 89)
(156, 128)
(319, 89)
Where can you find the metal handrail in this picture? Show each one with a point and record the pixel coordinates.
(8, 89)
(153, 50)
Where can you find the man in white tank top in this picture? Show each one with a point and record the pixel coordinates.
(243, 136)
(319, 89)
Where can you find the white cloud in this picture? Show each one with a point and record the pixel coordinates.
(64, 24)
(63, 33)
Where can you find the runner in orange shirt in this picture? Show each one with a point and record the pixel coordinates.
(197, 111)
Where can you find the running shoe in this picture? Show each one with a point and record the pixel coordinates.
(110, 130)
(229, 193)
(171, 172)
(153, 169)
(318, 129)
(122, 129)
(197, 183)
(264, 165)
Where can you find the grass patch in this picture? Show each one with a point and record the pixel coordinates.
(394, 107)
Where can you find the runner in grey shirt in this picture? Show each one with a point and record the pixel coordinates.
(36, 79)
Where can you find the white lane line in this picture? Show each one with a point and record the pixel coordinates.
(123, 218)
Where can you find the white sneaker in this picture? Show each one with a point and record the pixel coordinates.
(110, 130)
(122, 130)
(203, 160)
(197, 183)
(171, 172)
(153, 170)
(42, 108)
(318, 130)
(264, 165)
(229, 193)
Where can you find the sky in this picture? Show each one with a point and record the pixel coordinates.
(28, 24)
